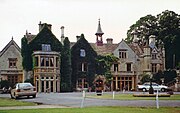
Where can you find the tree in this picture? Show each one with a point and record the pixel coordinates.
(157, 77)
(169, 33)
(104, 64)
(145, 78)
(66, 69)
(5, 83)
(143, 28)
(25, 53)
(169, 76)
(165, 26)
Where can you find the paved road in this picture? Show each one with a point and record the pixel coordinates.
(75, 99)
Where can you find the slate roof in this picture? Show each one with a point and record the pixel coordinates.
(105, 49)
(12, 42)
(136, 48)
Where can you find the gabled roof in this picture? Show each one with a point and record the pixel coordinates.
(136, 48)
(100, 50)
(12, 42)
(104, 49)
(154, 50)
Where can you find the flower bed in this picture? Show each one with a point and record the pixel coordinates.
(151, 95)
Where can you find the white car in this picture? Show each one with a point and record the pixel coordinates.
(146, 86)
(23, 89)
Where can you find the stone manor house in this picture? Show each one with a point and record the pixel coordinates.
(134, 59)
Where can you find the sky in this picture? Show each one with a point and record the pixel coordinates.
(77, 16)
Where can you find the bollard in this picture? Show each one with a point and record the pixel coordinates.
(82, 102)
(113, 94)
(157, 100)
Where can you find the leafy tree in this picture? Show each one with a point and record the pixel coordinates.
(143, 28)
(145, 78)
(25, 54)
(104, 64)
(66, 70)
(165, 26)
(5, 83)
(169, 76)
(169, 33)
(157, 77)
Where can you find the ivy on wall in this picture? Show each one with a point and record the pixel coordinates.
(89, 58)
(45, 36)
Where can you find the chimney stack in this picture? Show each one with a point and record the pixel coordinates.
(62, 34)
(78, 37)
(109, 41)
(42, 25)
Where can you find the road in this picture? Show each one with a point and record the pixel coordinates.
(75, 99)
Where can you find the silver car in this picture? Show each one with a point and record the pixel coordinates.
(23, 89)
(146, 86)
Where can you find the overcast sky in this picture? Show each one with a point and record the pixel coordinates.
(77, 16)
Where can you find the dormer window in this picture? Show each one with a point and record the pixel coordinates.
(82, 53)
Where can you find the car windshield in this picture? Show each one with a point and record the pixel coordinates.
(25, 85)
(146, 84)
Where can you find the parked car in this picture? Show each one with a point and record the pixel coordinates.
(23, 89)
(146, 86)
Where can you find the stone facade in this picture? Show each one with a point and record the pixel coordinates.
(11, 63)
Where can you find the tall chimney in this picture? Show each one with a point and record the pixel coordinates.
(62, 34)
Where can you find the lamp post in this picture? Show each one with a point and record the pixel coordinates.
(151, 90)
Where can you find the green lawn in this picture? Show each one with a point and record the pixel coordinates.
(98, 110)
(5, 102)
(130, 97)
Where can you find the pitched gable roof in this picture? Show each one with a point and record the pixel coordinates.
(45, 36)
(104, 49)
(12, 42)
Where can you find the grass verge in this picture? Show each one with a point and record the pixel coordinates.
(98, 110)
(131, 97)
(6, 102)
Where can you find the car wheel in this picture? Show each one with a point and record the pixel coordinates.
(144, 90)
(34, 96)
(163, 90)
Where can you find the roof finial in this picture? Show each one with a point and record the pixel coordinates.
(12, 37)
